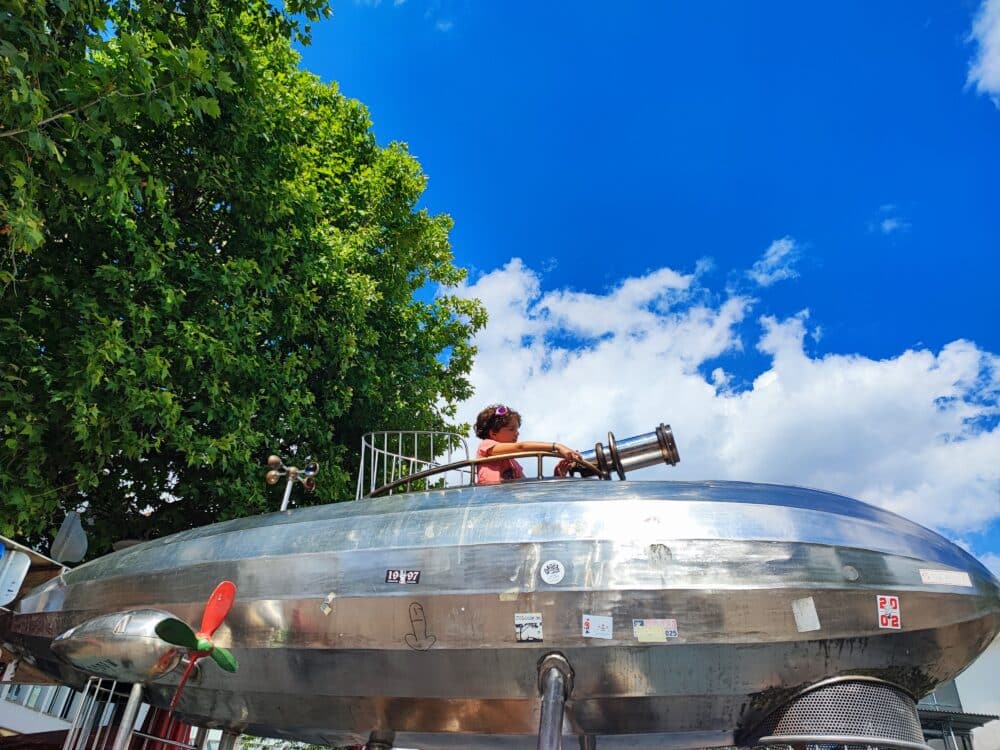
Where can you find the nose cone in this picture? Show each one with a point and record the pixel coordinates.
(121, 645)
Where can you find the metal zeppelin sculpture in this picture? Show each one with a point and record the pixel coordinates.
(623, 614)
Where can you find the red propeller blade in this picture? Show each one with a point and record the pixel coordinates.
(184, 678)
(218, 607)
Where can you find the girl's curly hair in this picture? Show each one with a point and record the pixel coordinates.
(493, 417)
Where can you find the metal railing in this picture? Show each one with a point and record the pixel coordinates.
(394, 456)
(407, 461)
(92, 724)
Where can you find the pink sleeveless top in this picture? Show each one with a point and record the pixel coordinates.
(496, 471)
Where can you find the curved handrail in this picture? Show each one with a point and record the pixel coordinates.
(395, 453)
(385, 488)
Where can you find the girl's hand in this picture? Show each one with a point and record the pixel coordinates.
(568, 454)
(563, 468)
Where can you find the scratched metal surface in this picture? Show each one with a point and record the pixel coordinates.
(330, 651)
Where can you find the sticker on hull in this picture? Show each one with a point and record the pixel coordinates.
(528, 627)
(806, 617)
(654, 630)
(552, 571)
(889, 612)
(596, 626)
(402, 576)
(945, 577)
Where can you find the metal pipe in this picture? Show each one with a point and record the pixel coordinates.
(128, 717)
(228, 741)
(553, 701)
(288, 493)
(201, 739)
(951, 742)
(165, 741)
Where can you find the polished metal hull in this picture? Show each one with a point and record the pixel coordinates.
(770, 589)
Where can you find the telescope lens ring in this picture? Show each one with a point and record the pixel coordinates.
(613, 450)
(668, 446)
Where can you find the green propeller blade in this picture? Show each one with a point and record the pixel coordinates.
(224, 659)
(177, 632)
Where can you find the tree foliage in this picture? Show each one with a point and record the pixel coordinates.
(207, 258)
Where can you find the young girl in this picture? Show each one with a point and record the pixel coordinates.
(498, 427)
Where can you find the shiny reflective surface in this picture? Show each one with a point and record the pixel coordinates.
(121, 645)
(398, 614)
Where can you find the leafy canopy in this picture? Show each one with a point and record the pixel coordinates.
(206, 258)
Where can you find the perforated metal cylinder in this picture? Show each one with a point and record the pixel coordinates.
(850, 713)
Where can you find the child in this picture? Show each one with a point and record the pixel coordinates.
(498, 428)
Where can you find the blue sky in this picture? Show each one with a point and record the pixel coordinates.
(658, 134)
(774, 226)
(854, 144)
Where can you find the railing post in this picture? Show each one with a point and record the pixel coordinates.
(127, 723)
(228, 741)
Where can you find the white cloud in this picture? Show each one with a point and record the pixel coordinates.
(892, 224)
(444, 25)
(889, 220)
(906, 432)
(776, 264)
(984, 70)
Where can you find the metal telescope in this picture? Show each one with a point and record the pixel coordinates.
(630, 454)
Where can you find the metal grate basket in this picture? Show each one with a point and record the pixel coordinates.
(853, 713)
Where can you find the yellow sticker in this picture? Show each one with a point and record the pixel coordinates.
(654, 631)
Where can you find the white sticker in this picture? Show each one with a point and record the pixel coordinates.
(329, 604)
(527, 627)
(596, 626)
(553, 571)
(945, 577)
(888, 612)
(806, 618)
(654, 631)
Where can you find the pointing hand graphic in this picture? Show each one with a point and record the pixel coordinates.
(418, 638)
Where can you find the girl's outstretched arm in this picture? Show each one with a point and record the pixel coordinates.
(556, 449)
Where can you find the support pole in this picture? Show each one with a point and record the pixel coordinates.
(228, 741)
(553, 700)
(286, 498)
(555, 683)
(128, 717)
(950, 742)
(202, 738)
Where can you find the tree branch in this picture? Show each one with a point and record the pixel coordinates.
(74, 110)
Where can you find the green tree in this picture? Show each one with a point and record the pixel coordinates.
(208, 258)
